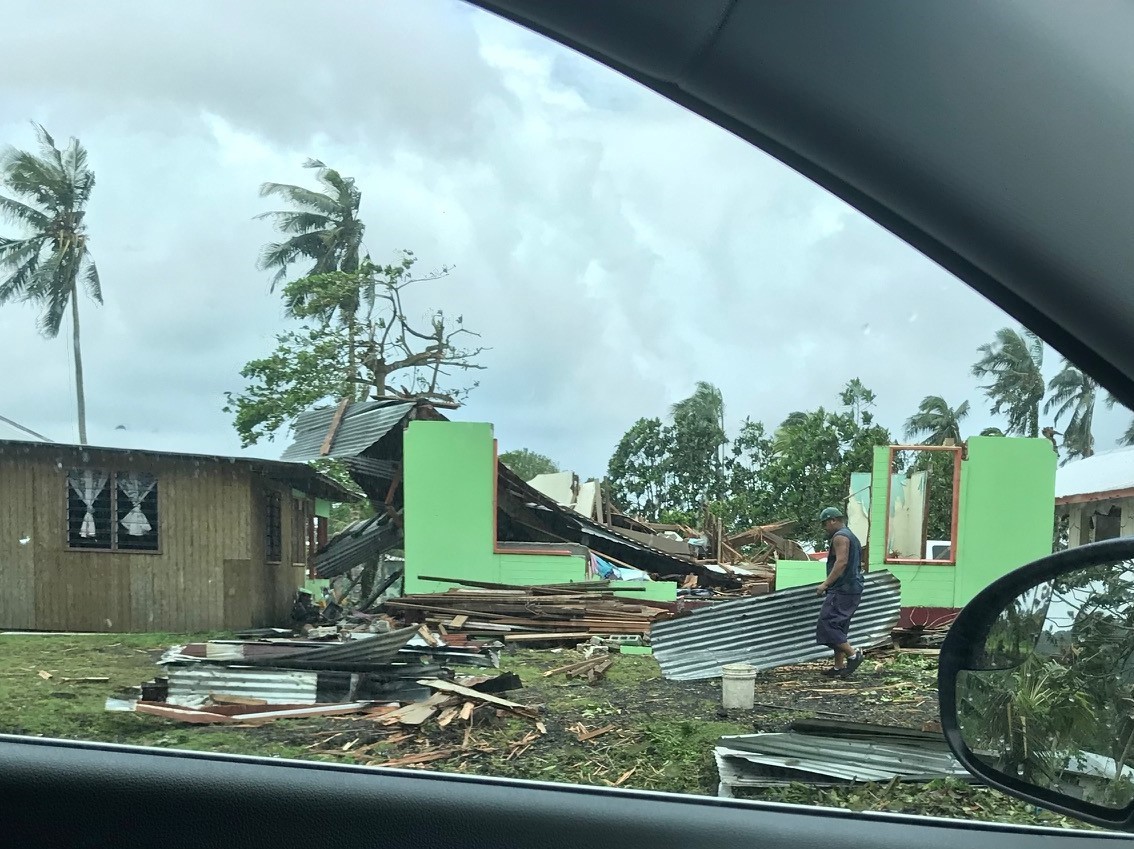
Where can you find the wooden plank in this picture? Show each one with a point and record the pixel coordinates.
(597, 732)
(467, 711)
(551, 637)
(333, 430)
(477, 696)
(196, 717)
(458, 621)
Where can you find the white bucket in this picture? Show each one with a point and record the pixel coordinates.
(738, 686)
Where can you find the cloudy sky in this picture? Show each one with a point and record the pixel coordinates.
(611, 248)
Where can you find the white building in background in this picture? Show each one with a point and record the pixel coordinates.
(1097, 496)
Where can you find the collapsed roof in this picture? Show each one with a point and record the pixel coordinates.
(367, 437)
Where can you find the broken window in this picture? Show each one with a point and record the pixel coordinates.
(273, 528)
(112, 511)
(921, 524)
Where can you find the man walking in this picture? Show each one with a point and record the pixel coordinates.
(842, 591)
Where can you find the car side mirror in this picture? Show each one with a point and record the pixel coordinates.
(1036, 682)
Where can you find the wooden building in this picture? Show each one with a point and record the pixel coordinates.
(99, 539)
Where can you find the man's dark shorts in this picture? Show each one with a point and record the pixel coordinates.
(834, 619)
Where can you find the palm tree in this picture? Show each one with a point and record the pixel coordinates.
(937, 421)
(1127, 438)
(44, 266)
(323, 228)
(704, 408)
(699, 419)
(1014, 361)
(1074, 393)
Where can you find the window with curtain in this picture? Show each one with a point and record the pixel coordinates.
(112, 511)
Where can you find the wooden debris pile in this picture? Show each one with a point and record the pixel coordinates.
(559, 613)
(591, 670)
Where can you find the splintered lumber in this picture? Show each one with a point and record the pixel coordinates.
(477, 696)
(596, 668)
(415, 713)
(584, 736)
(419, 758)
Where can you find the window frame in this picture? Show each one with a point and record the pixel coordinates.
(958, 456)
(112, 476)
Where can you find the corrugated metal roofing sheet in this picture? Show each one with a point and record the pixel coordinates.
(189, 683)
(767, 631)
(357, 544)
(762, 759)
(362, 425)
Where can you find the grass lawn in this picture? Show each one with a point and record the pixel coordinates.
(663, 737)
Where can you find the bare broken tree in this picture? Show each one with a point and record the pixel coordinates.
(390, 349)
(359, 341)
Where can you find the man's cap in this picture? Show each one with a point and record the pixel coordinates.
(830, 513)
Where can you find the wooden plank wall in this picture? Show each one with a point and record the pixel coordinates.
(210, 574)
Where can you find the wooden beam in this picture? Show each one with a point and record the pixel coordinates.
(333, 430)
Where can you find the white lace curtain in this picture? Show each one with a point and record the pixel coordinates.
(136, 488)
(88, 486)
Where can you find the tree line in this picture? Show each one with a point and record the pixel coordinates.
(353, 339)
(666, 470)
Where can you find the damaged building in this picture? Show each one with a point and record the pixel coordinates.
(443, 498)
(1000, 494)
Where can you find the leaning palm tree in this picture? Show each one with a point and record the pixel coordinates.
(47, 198)
(1074, 393)
(936, 421)
(1014, 361)
(322, 229)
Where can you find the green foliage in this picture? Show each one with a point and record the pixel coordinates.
(1014, 362)
(1073, 394)
(307, 368)
(814, 456)
(936, 421)
(354, 340)
(696, 462)
(666, 472)
(638, 471)
(528, 464)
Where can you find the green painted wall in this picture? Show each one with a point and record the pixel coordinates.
(450, 516)
(1006, 515)
(799, 573)
(322, 508)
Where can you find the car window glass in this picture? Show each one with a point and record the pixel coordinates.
(411, 391)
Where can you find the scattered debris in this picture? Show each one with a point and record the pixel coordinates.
(592, 669)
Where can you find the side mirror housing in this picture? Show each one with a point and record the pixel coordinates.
(1036, 684)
